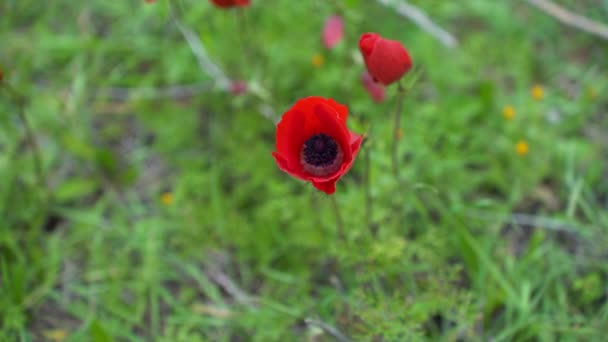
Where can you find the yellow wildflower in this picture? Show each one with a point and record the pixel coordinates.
(166, 198)
(56, 335)
(508, 112)
(538, 92)
(317, 60)
(522, 147)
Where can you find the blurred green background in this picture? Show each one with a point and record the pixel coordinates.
(158, 214)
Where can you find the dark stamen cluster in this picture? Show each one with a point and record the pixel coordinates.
(320, 150)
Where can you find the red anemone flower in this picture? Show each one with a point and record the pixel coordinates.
(375, 90)
(386, 60)
(314, 144)
(333, 31)
(230, 3)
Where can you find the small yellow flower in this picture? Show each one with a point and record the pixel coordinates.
(538, 92)
(166, 198)
(317, 60)
(522, 147)
(508, 112)
(56, 335)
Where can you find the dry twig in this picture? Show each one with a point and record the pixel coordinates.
(571, 19)
(422, 20)
(223, 280)
(328, 329)
(179, 91)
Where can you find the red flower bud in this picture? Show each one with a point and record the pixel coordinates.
(230, 3)
(375, 90)
(386, 60)
(333, 31)
(314, 144)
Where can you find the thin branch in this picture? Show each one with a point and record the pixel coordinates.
(199, 51)
(328, 329)
(215, 72)
(422, 20)
(145, 93)
(527, 220)
(228, 285)
(570, 18)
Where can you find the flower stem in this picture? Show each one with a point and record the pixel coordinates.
(368, 191)
(339, 224)
(394, 152)
(244, 35)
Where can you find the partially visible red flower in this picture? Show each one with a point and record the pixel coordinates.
(333, 31)
(375, 90)
(1, 75)
(314, 144)
(238, 87)
(150, 1)
(230, 3)
(386, 60)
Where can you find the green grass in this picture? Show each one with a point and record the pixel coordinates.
(244, 252)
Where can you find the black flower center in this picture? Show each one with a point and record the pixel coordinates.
(320, 150)
(321, 155)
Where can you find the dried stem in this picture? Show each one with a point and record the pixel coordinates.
(571, 19)
(422, 20)
(328, 329)
(199, 51)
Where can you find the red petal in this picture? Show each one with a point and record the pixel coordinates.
(290, 136)
(388, 61)
(355, 145)
(297, 125)
(333, 31)
(375, 90)
(309, 116)
(330, 124)
(230, 3)
(367, 42)
(284, 165)
(328, 187)
(342, 110)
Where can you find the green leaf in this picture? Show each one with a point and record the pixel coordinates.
(98, 333)
(72, 189)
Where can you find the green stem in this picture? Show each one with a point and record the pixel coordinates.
(339, 223)
(244, 34)
(368, 191)
(394, 151)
